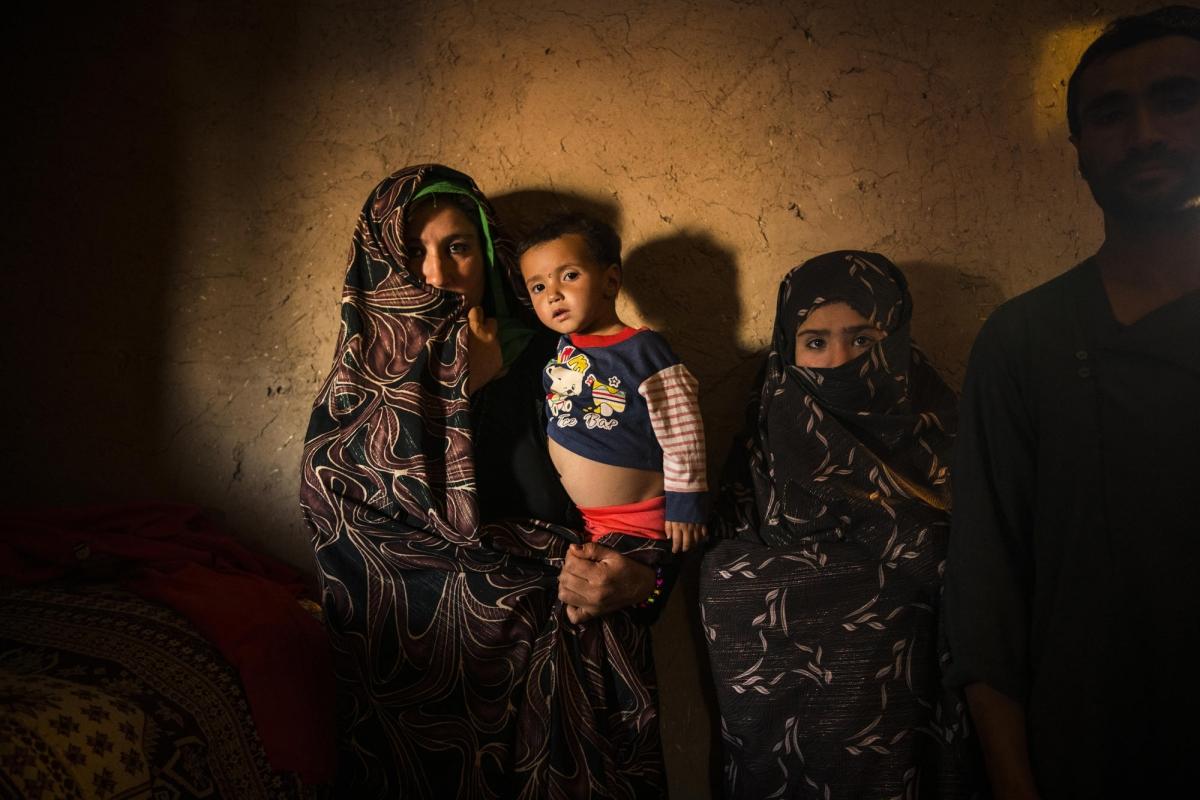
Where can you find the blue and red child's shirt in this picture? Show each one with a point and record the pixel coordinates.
(625, 399)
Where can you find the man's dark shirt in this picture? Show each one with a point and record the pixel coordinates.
(1074, 565)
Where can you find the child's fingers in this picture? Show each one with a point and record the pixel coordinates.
(685, 535)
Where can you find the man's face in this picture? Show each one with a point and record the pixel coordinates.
(1139, 133)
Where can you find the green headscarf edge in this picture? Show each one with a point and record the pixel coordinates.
(514, 334)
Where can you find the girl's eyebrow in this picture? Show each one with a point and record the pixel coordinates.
(450, 237)
(827, 331)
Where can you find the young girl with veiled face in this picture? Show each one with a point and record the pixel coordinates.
(820, 598)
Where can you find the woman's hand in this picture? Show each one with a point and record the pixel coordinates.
(597, 580)
(484, 359)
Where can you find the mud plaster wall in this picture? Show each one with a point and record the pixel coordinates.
(189, 173)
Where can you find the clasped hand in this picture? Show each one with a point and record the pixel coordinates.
(597, 580)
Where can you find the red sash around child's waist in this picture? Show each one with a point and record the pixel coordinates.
(646, 518)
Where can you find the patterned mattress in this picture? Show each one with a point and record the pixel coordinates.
(106, 695)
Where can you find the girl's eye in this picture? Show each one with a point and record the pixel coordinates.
(570, 275)
(537, 288)
(415, 251)
(862, 340)
(460, 248)
(815, 343)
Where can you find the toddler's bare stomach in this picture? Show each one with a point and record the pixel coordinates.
(592, 484)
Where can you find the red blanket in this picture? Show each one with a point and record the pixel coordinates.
(244, 602)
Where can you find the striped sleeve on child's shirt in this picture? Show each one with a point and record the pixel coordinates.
(673, 405)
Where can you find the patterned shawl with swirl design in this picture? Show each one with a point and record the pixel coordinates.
(819, 597)
(461, 676)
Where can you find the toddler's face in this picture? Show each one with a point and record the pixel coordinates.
(571, 293)
(834, 334)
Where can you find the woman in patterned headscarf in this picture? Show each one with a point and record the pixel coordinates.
(819, 599)
(441, 531)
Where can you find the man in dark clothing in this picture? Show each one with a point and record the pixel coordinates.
(1076, 527)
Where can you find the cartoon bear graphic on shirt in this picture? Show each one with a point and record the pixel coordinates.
(565, 383)
(568, 377)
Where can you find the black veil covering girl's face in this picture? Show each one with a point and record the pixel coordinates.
(867, 283)
(832, 334)
(842, 329)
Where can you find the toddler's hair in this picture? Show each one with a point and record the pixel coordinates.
(602, 241)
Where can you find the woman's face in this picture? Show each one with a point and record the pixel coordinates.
(444, 247)
(834, 334)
